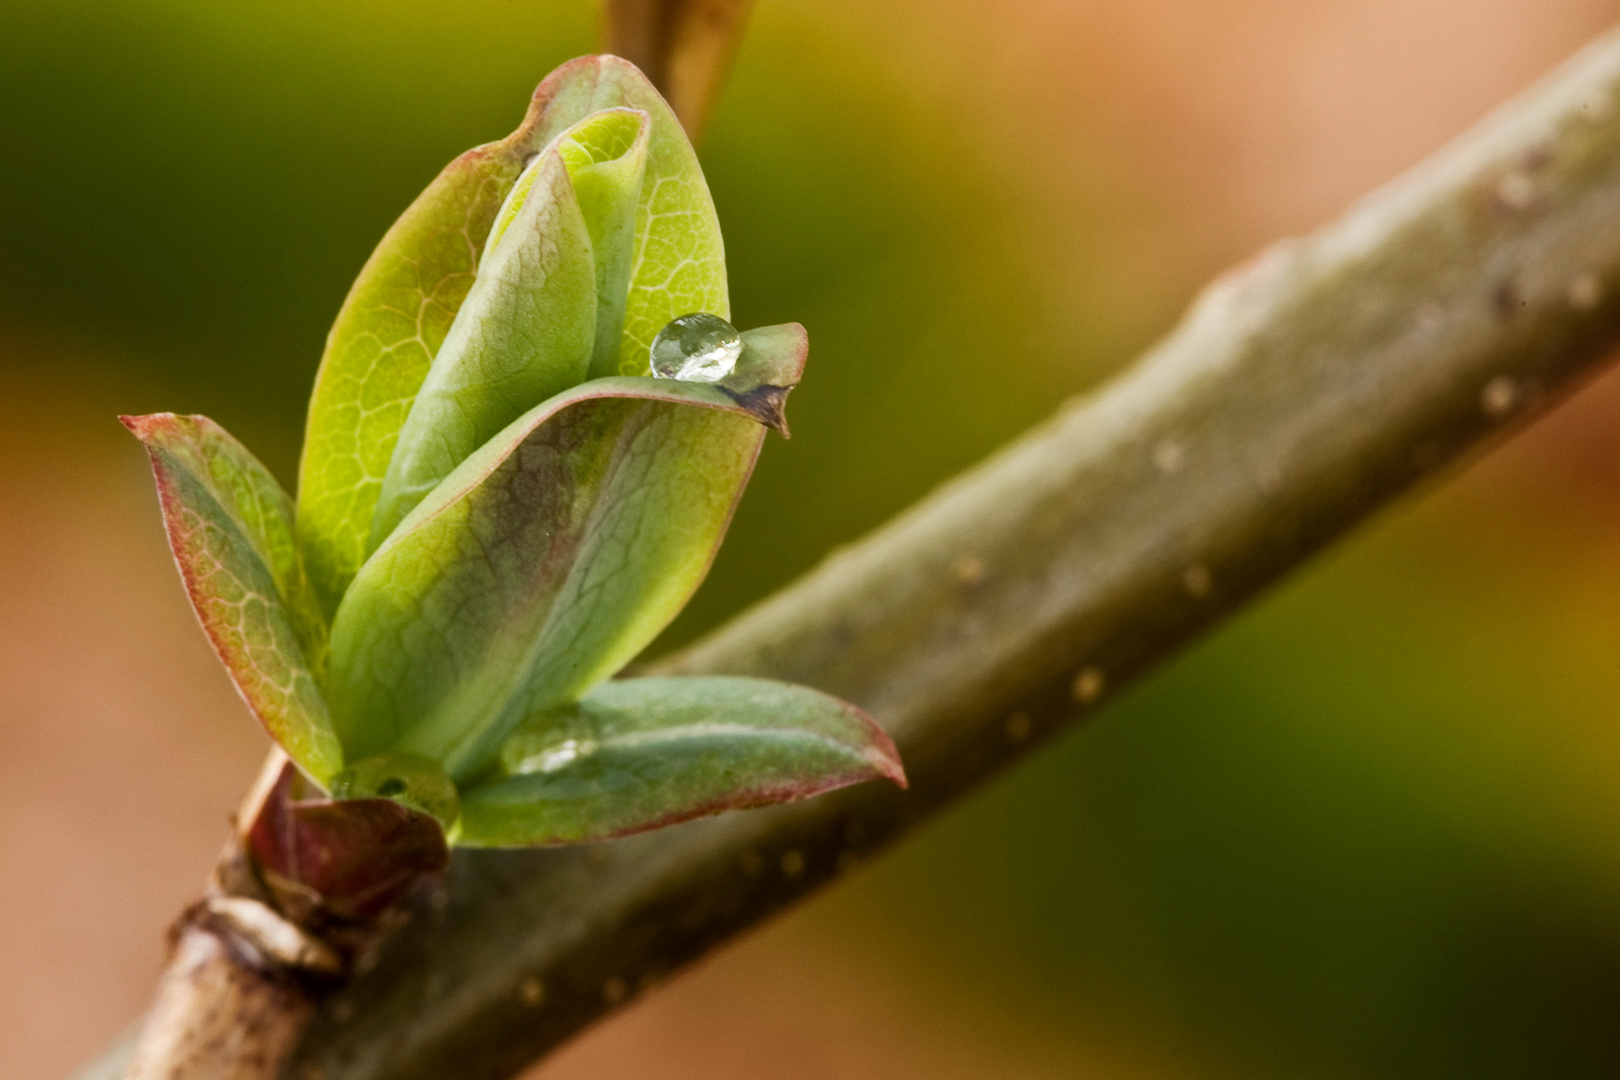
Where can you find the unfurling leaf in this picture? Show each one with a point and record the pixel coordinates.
(549, 558)
(636, 754)
(402, 305)
(230, 528)
(532, 322)
(606, 155)
(524, 333)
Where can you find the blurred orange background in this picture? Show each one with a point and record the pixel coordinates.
(1372, 828)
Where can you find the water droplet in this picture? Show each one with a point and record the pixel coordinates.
(532, 991)
(696, 348)
(548, 759)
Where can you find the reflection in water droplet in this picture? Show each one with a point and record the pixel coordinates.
(553, 757)
(697, 348)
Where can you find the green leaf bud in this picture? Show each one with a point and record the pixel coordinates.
(500, 506)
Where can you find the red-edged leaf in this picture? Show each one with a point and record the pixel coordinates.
(230, 528)
(638, 754)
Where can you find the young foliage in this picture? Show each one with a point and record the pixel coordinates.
(406, 297)
(501, 504)
(230, 527)
(638, 753)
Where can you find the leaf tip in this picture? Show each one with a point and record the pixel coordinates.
(885, 759)
(144, 427)
(880, 752)
(767, 404)
(771, 366)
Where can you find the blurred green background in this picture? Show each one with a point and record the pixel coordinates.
(1369, 829)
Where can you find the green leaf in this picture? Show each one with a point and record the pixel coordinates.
(527, 328)
(549, 558)
(524, 333)
(606, 154)
(403, 303)
(230, 528)
(407, 779)
(637, 754)
(679, 261)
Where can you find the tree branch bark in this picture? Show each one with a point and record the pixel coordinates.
(216, 1006)
(1301, 393)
